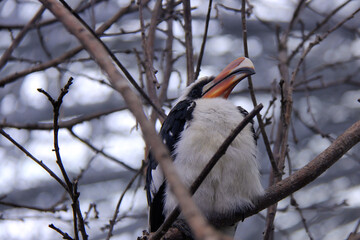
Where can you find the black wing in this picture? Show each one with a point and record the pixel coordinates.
(170, 133)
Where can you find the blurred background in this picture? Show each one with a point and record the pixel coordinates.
(101, 144)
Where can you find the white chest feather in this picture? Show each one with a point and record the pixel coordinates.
(234, 181)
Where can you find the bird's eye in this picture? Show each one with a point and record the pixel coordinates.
(195, 92)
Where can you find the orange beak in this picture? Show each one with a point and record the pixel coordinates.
(224, 83)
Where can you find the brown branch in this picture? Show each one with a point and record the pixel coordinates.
(51, 209)
(63, 234)
(294, 203)
(305, 175)
(154, 103)
(148, 47)
(117, 208)
(39, 162)
(6, 55)
(92, 147)
(191, 213)
(303, 220)
(355, 235)
(56, 108)
(295, 17)
(168, 54)
(252, 94)
(80, 9)
(62, 123)
(188, 42)
(317, 41)
(54, 62)
(281, 142)
(79, 223)
(318, 26)
(202, 49)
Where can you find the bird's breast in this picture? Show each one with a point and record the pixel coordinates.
(234, 180)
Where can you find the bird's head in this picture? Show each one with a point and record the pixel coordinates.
(222, 84)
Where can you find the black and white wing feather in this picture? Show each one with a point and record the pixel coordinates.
(155, 183)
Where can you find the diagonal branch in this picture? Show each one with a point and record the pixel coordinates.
(305, 175)
(281, 141)
(202, 49)
(79, 223)
(56, 61)
(318, 40)
(188, 42)
(300, 178)
(317, 27)
(117, 208)
(27, 153)
(148, 47)
(7, 54)
(252, 94)
(100, 55)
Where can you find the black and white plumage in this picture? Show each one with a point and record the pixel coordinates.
(193, 131)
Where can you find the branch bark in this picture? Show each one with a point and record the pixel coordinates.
(300, 178)
(188, 42)
(91, 43)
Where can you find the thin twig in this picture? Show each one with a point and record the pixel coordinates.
(118, 63)
(294, 203)
(51, 209)
(117, 208)
(281, 142)
(188, 42)
(317, 41)
(202, 49)
(303, 176)
(253, 97)
(54, 62)
(39, 162)
(6, 55)
(71, 186)
(148, 42)
(95, 149)
(168, 54)
(317, 27)
(97, 50)
(63, 234)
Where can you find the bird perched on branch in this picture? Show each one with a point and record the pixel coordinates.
(193, 131)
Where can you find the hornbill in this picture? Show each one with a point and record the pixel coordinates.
(196, 126)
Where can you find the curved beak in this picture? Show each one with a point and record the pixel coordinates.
(224, 83)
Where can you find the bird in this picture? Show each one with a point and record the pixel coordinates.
(201, 119)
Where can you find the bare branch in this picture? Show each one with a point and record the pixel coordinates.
(39, 162)
(87, 143)
(51, 209)
(54, 62)
(148, 46)
(188, 42)
(202, 49)
(317, 41)
(305, 175)
(318, 26)
(6, 55)
(252, 93)
(117, 208)
(161, 153)
(63, 234)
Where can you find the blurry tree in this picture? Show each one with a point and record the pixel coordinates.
(72, 154)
